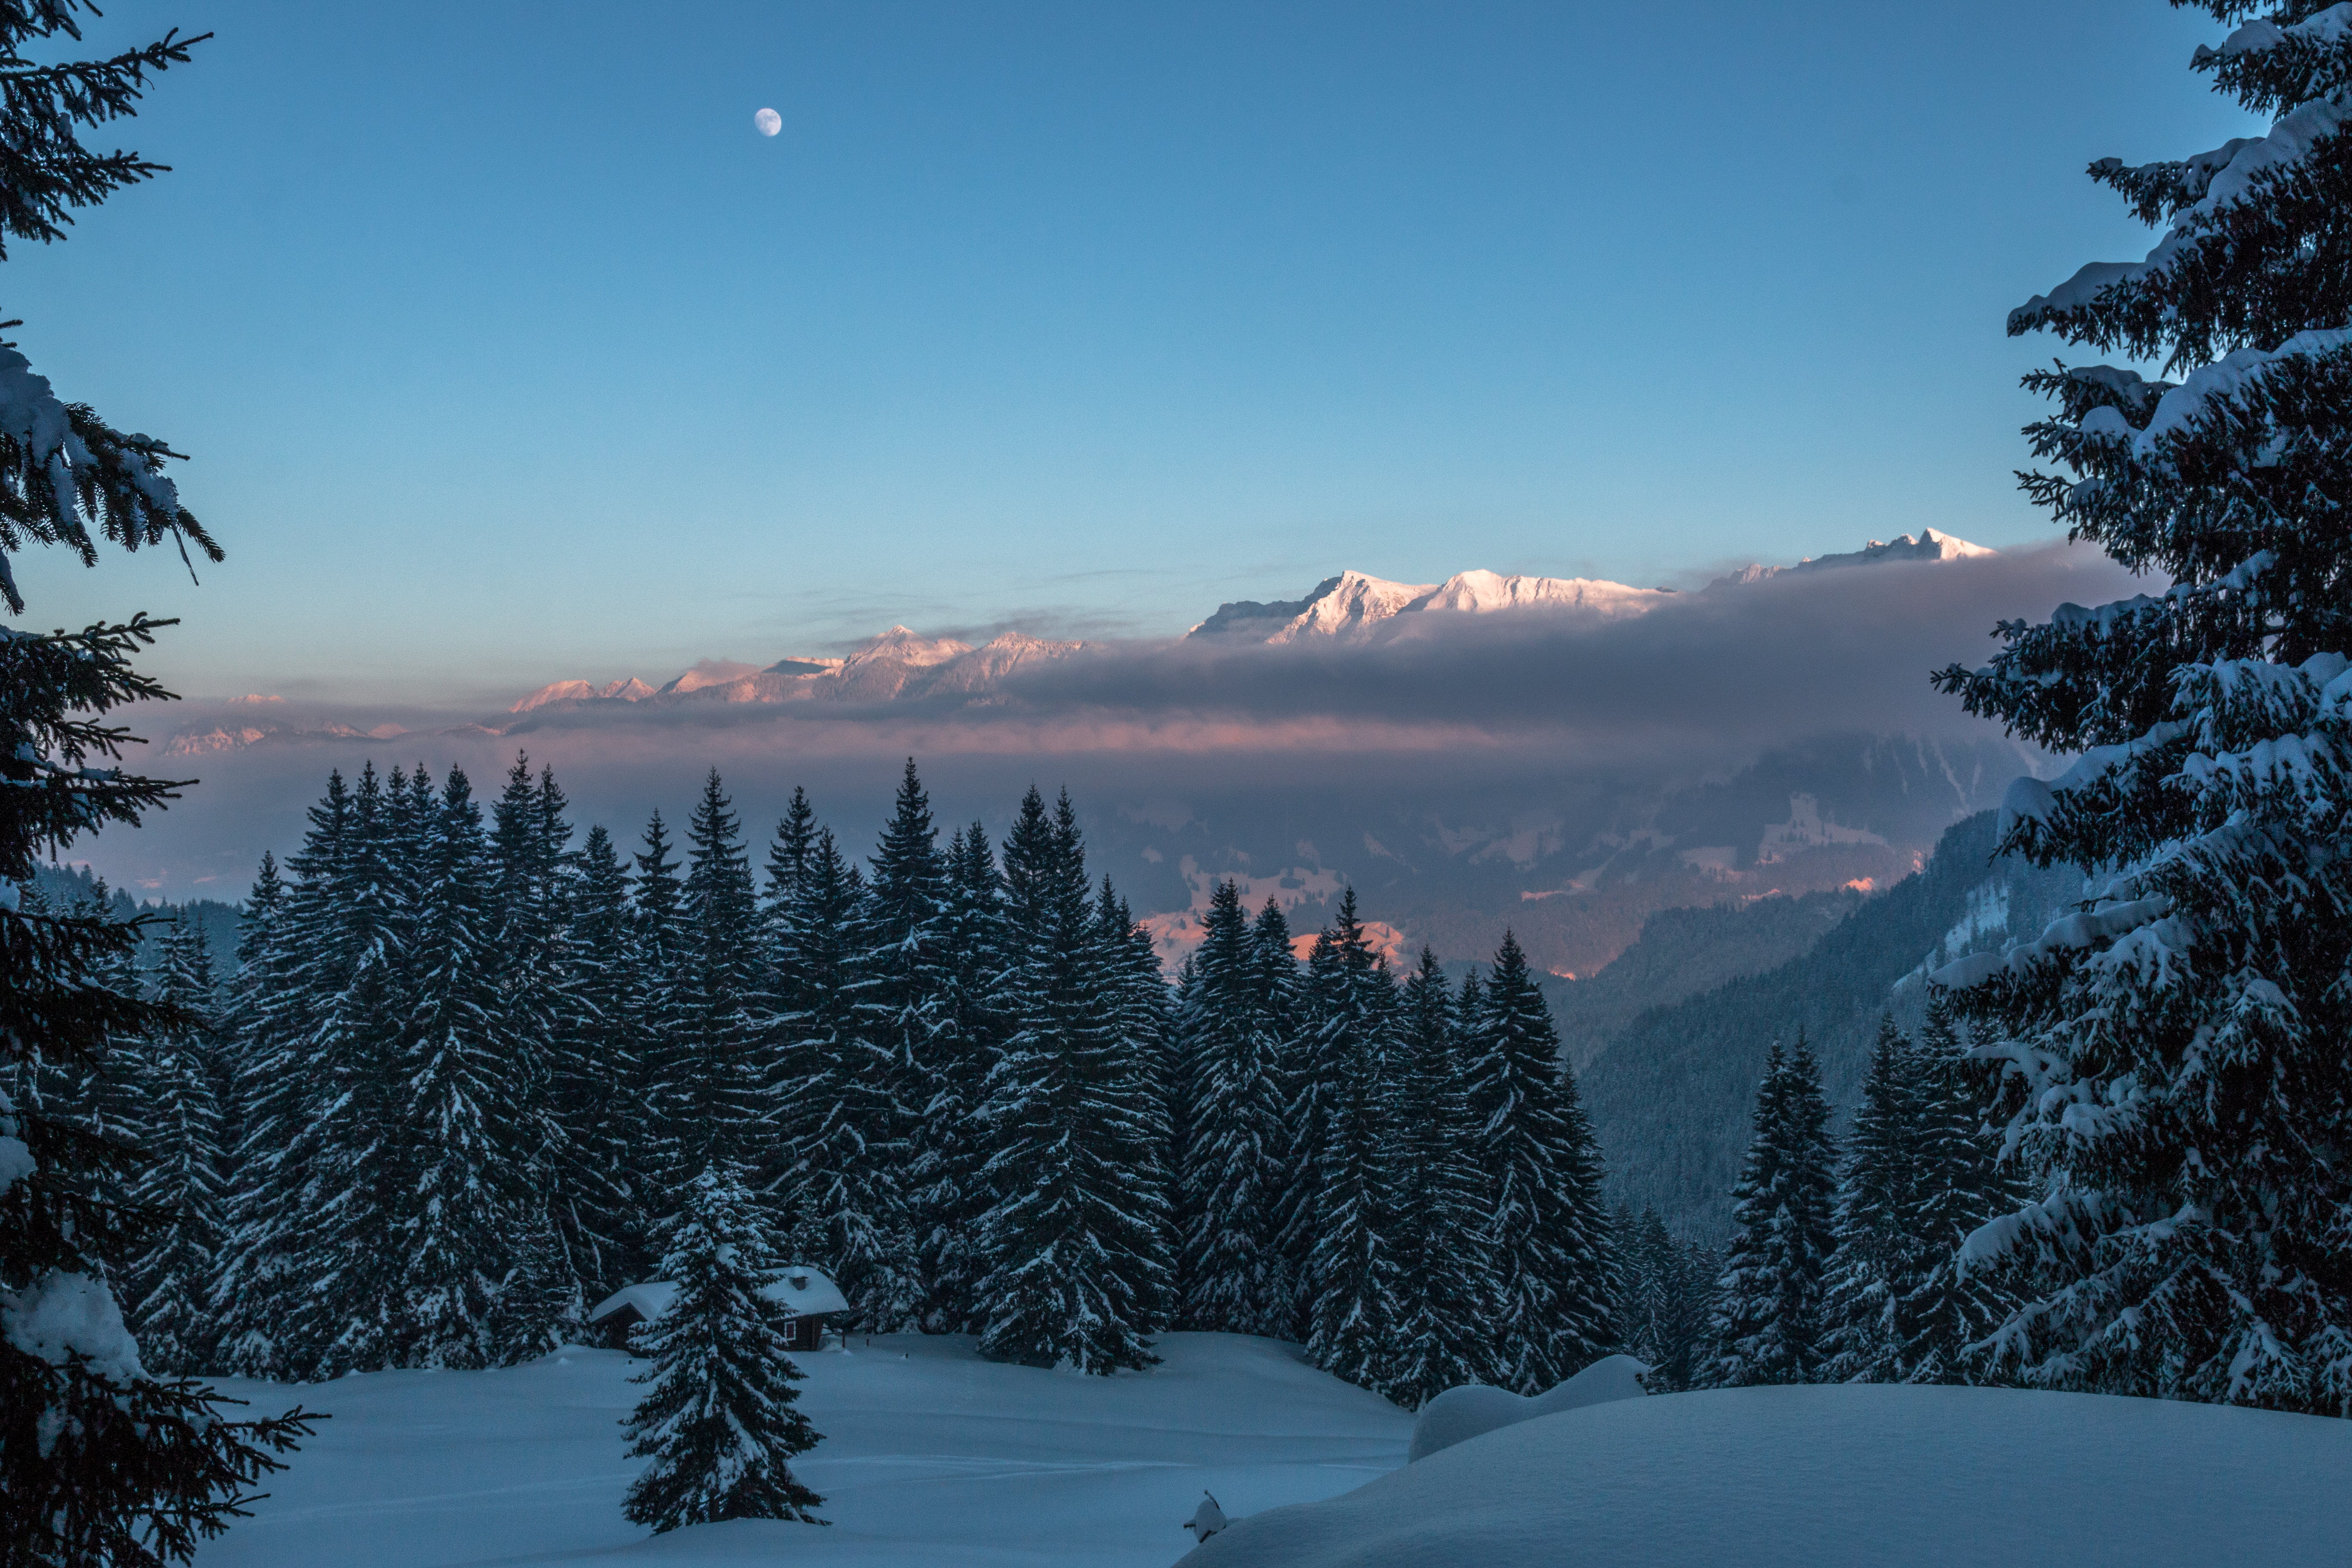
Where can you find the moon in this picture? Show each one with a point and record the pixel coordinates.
(769, 122)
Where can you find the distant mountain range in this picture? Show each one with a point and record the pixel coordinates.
(898, 664)
(1350, 609)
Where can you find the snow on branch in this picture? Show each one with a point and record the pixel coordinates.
(62, 469)
(2195, 193)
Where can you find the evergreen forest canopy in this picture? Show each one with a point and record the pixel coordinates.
(464, 1069)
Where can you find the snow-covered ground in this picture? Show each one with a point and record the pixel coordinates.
(932, 1457)
(1805, 1478)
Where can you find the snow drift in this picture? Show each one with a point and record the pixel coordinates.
(1461, 1414)
(1757, 1478)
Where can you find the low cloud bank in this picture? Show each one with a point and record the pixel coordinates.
(1487, 715)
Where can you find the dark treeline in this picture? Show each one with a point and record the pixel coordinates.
(466, 1063)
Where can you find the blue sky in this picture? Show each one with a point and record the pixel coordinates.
(508, 351)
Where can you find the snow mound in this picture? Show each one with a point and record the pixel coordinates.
(1761, 1477)
(1460, 1413)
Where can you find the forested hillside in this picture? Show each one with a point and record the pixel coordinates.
(68, 886)
(1672, 1093)
(1683, 951)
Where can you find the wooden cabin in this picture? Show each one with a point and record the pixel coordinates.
(808, 1293)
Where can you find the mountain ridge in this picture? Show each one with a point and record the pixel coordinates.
(1350, 609)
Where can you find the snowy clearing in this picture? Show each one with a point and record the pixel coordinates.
(932, 1456)
(1804, 1476)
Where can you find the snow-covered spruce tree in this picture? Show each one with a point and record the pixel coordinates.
(718, 1420)
(100, 1461)
(1280, 987)
(1552, 1266)
(533, 872)
(657, 953)
(1444, 1286)
(900, 990)
(316, 1217)
(168, 1285)
(779, 998)
(2172, 1056)
(1352, 1268)
(463, 1081)
(947, 1191)
(1075, 1238)
(1231, 1178)
(788, 853)
(267, 1223)
(1767, 1325)
(1141, 1005)
(844, 1132)
(544, 1294)
(1878, 1257)
(1309, 1078)
(1958, 1185)
(717, 995)
(358, 1154)
(1666, 1290)
(596, 1079)
(1690, 1315)
(260, 1093)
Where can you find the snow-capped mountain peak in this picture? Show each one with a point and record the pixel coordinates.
(901, 646)
(1481, 591)
(1355, 606)
(629, 690)
(709, 672)
(1928, 545)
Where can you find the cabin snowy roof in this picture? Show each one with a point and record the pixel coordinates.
(808, 1293)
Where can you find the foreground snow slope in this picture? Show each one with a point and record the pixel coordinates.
(932, 1456)
(1761, 1477)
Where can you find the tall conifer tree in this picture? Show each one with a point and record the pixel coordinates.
(530, 964)
(1667, 1289)
(99, 1462)
(1768, 1324)
(1233, 1175)
(2188, 1240)
(948, 1192)
(169, 1284)
(726, 1070)
(844, 1131)
(597, 1080)
(1280, 990)
(718, 1420)
(1352, 1266)
(1553, 1272)
(350, 929)
(262, 1273)
(1445, 1287)
(657, 920)
(1950, 1305)
(462, 1082)
(1075, 1233)
(1879, 1254)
